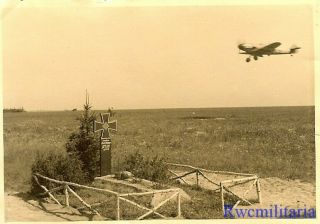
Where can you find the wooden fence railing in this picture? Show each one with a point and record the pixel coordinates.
(220, 186)
(66, 186)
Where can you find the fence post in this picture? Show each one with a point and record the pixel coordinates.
(179, 204)
(197, 175)
(66, 194)
(222, 198)
(259, 191)
(118, 207)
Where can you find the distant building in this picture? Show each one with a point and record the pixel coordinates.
(13, 110)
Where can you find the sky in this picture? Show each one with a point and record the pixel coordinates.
(155, 57)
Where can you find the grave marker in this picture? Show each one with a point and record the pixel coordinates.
(104, 127)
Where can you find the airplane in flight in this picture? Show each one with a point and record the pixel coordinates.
(269, 49)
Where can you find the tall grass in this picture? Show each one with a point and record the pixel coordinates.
(273, 141)
(28, 134)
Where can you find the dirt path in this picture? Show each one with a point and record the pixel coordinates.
(19, 208)
(291, 193)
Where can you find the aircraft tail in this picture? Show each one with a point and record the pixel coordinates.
(294, 49)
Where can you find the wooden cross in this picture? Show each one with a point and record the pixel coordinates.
(105, 126)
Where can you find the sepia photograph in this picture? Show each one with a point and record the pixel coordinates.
(158, 110)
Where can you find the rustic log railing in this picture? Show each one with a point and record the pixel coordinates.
(220, 186)
(66, 186)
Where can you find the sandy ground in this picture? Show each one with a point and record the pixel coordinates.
(292, 193)
(19, 207)
(17, 210)
(274, 191)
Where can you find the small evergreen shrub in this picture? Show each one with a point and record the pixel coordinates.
(81, 161)
(56, 165)
(154, 168)
(86, 148)
(85, 145)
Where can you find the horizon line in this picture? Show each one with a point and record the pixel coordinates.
(166, 108)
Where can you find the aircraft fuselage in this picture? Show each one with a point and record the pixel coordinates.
(270, 49)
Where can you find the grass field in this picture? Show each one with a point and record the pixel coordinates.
(271, 141)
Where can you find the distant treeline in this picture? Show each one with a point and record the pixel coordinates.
(14, 110)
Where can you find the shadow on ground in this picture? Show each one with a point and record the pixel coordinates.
(61, 211)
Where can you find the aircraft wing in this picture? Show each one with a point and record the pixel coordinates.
(267, 49)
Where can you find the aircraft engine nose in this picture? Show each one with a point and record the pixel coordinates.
(242, 47)
(245, 47)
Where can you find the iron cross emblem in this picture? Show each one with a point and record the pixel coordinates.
(105, 126)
